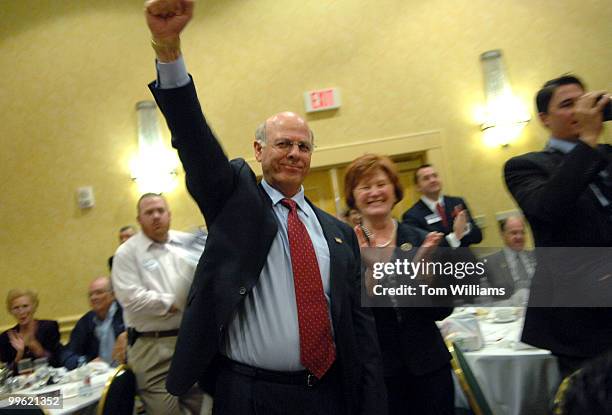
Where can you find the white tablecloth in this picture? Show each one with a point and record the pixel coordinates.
(71, 399)
(515, 379)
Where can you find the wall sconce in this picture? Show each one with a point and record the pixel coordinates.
(154, 167)
(505, 116)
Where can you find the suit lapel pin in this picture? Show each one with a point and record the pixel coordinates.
(338, 240)
(406, 246)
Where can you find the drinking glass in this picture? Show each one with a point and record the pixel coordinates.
(40, 362)
(25, 367)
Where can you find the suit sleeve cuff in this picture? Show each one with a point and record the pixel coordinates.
(172, 74)
(452, 240)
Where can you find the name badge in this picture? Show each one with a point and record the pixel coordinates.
(433, 218)
(150, 264)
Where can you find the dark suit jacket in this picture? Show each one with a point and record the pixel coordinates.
(412, 343)
(499, 274)
(553, 191)
(83, 340)
(242, 227)
(48, 336)
(415, 216)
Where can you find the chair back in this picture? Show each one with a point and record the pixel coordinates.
(468, 381)
(119, 392)
(559, 401)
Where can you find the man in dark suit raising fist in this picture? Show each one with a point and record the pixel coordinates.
(440, 213)
(273, 318)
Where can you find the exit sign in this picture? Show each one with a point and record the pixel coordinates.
(322, 99)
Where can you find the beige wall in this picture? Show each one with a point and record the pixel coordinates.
(72, 71)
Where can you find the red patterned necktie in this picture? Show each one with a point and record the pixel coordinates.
(317, 351)
(442, 214)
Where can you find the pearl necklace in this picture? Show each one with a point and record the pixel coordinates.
(370, 235)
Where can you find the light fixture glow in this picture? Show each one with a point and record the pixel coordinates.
(505, 116)
(154, 167)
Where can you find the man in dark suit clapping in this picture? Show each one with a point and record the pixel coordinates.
(435, 212)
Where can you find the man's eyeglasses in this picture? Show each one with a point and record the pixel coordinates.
(98, 292)
(286, 146)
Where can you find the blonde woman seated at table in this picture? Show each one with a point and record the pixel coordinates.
(30, 338)
(416, 362)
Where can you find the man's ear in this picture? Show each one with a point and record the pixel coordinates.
(543, 118)
(418, 187)
(257, 148)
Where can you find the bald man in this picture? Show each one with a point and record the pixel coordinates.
(512, 268)
(273, 322)
(100, 333)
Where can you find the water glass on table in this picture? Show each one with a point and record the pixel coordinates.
(13, 384)
(40, 362)
(42, 375)
(25, 367)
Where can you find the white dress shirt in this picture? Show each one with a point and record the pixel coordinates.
(451, 238)
(264, 331)
(149, 277)
(526, 258)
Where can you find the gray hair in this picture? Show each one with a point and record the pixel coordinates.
(107, 280)
(261, 133)
(502, 222)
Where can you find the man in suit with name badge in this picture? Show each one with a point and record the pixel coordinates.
(565, 192)
(435, 212)
(273, 323)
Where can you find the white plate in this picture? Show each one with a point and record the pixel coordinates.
(98, 366)
(504, 320)
(70, 390)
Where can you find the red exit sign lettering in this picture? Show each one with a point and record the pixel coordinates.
(322, 99)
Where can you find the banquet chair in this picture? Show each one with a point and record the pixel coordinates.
(588, 390)
(468, 381)
(559, 400)
(119, 392)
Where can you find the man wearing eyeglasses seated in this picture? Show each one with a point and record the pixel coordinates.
(273, 322)
(100, 333)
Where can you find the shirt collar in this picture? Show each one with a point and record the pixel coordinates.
(277, 196)
(109, 315)
(431, 204)
(511, 253)
(173, 238)
(147, 242)
(563, 146)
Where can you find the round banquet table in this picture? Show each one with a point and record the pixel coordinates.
(516, 379)
(71, 400)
